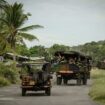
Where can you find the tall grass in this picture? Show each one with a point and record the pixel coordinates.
(97, 91)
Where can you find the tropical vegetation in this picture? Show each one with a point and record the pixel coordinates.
(97, 91)
(9, 74)
(12, 35)
(12, 21)
(94, 49)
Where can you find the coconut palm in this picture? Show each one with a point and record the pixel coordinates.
(2, 38)
(2, 3)
(13, 21)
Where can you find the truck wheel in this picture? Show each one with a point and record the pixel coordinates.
(65, 81)
(23, 92)
(59, 80)
(48, 91)
(78, 81)
(84, 81)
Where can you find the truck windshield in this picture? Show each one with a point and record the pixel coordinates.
(36, 67)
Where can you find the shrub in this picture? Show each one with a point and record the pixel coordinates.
(9, 72)
(4, 82)
(97, 91)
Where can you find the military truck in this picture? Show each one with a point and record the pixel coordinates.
(71, 65)
(35, 77)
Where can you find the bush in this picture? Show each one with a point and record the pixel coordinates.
(9, 72)
(4, 82)
(97, 91)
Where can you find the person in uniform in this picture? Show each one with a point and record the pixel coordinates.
(72, 65)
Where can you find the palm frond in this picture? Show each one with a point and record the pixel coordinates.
(3, 43)
(19, 40)
(30, 27)
(13, 20)
(27, 36)
(2, 3)
(14, 14)
(4, 21)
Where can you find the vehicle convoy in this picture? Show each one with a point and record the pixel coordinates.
(36, 77)
(71, 65)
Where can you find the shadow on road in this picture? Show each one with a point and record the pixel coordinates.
(35, 94)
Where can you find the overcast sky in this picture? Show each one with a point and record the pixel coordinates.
(68, 22)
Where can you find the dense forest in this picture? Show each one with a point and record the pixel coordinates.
(94, 49)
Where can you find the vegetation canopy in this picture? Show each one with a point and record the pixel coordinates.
(13, 20)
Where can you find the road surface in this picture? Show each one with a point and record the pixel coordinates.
(61, 95)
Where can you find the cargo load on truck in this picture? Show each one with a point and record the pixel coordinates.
(71, 65)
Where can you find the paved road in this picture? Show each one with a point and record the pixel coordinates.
(61, 95)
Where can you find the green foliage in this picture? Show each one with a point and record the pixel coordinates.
(4, 81)
(2, 45)
(57, 47)
(30, 27)
(47, 52)
(9, 72)
(37, 51)
(13, 20)
(22, 50)
(97, 91)
(95, 49)
(2, 3)
(27, 36)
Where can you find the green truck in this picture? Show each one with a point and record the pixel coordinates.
(71, 65)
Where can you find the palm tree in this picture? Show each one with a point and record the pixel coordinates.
(13, 21)
(2, 38)
(2, 3)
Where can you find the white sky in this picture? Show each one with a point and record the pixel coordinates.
(68, 22)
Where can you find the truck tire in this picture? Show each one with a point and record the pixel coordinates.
(65, 81)
(78, 81)
(84, 80)
(59, 80)
(48, 91)
(23, 92)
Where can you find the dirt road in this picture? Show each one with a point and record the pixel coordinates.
(61, 95)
